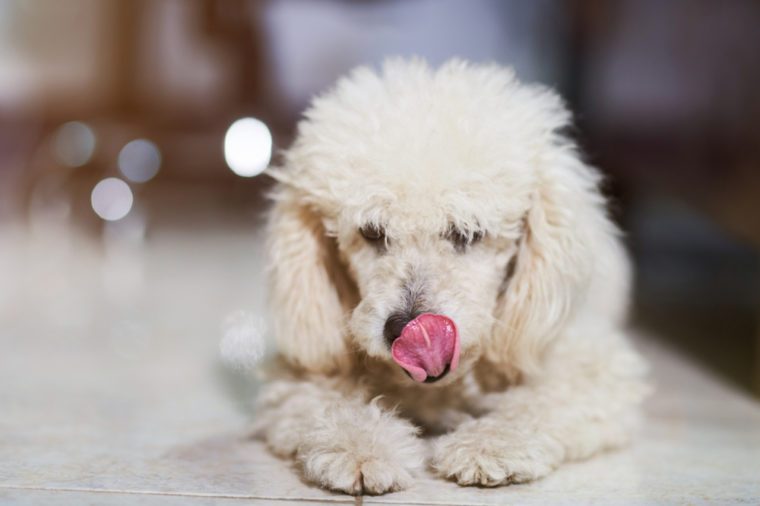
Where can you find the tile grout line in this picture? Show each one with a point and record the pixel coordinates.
(200, 495)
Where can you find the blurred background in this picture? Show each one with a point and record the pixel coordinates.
(133, 134)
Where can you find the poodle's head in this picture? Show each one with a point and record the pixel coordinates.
(430, 192)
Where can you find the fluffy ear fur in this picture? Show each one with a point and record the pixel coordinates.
(566, 230)
(309, 289)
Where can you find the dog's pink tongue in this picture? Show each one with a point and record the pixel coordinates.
(426, 346)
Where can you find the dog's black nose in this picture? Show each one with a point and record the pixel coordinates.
(395, 324)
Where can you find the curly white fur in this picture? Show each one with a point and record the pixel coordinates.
(546, 374)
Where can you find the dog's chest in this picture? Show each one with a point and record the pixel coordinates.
(436, 409)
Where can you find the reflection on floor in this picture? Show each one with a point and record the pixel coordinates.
(112, 391)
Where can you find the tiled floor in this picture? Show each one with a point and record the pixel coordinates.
(112, 392)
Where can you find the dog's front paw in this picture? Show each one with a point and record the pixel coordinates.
(361, 451)
(480, 453)
(356, 473)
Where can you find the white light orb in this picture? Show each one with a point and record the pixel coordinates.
(73, 144)
(248, 147)
(243, 342)
(111, 199)
(139, 160)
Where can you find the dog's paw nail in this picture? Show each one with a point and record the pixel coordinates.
(358, 487)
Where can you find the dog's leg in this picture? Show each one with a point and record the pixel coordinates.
(585, 400)
(338, 439)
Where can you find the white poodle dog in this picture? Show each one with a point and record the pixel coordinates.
(443, 265)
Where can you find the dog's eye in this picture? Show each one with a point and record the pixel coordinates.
(461, 239)
(372, 233)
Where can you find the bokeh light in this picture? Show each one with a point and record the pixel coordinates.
(73, 144)
(139, 160)
(243, 343)
(248, 147)
(111, 199)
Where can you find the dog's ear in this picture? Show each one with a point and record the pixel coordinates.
(309, 289)
(564, 233)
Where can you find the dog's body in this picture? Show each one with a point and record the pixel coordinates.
(445, 205)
